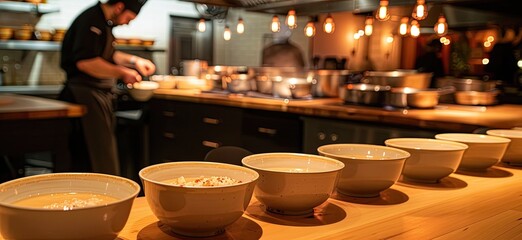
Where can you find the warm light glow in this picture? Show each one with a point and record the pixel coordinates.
(442, 39)
(414, 29)
(519, 63)
(227, 33)
(447, 42)
(356, 36)
(382, 13)
(485, 61)
(389, 39)
(368, 27)
(491, 39)
(291, 19)
(276, 25)
(329, 25)
(240, 26)
(420, 10)
(360, 32)
(403, 28)
(441, 27)
(309, 30)
(202, 26)
(487, 44)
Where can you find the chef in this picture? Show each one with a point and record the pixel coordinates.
(92, 66)
(282, 53)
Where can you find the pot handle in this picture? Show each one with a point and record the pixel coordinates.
(446, 90)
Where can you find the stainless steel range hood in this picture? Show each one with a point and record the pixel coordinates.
(460, 13)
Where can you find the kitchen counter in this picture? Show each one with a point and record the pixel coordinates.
(21, 107)
(446, 117)
(465, 205)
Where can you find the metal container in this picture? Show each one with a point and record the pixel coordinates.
(264, 84)
(398, 79)
(476, 97)
(327, 82)
(416, 98)
(291, 87)
(193, 67)
(365, 94)
(473, 85)
(238, 83)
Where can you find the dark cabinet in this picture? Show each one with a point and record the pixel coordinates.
(320, 131)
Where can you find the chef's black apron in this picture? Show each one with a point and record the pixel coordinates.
(98, 124)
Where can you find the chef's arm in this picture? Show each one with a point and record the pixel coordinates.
(144, 66)
(102, 69)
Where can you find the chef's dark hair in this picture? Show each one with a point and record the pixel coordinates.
(133, 5)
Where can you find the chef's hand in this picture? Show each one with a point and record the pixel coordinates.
(130, 76)
(145, 66)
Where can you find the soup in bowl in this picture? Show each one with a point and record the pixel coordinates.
(66, 206)
(293, 183)
(198, 199)
(370, 169)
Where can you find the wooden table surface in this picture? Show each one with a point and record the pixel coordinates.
(465, 205)
(23, 107)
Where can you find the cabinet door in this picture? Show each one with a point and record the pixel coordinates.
(265, 131)
(319, 131)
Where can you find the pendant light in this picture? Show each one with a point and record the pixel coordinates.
(329, 24)
(202, 26)
(415, 28)
(403, 28)
(309, 29)
(441, 27)
(368, 26)
(227, 34)
(291, 20)
(420, 10)
(275, 26)
(382, 13)
(240, 26)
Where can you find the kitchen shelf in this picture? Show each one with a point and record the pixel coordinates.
(41, 8)
(56, 46)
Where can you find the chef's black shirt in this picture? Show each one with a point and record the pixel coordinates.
(87, 38)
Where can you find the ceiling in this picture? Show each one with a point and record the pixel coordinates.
(462, 13)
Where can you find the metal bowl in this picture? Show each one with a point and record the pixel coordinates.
(366, 94)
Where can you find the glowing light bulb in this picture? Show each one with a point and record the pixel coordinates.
(240, 26)
(491, 39)
(403, 28)
(291, 19)
(382, 13)
(441, 27)
(329, 24)
(309, 30)
(356, 36)
(420, 10)
(202, 26)
(227, 34)
(368, 27)
(414, 29)
(485, 61)
(276, 25)
(389, 39)
(442, 39)
(487, 44)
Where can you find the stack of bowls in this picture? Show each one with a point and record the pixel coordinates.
(369, 169)
(483, 151)
(430, 160)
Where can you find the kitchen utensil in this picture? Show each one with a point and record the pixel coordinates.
(466, 84)
(476, 97)
(398, 79)
(327, 82)
(365, 94)
(237, 83)
(282, 87)
(416, 98)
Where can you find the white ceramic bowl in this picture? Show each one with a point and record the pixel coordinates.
(292, 183)
(431, 159)
(513, 153)
(197, 211)
(103, 221)
(483, 151)
(143, 91)
(369, 169)
(164, 81)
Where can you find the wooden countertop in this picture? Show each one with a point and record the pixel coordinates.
(465, 205)
(22, 107)
(443, 116)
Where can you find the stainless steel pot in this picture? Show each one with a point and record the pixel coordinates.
(291, 87)
(416, 98)
(473, 85)
(238, 83)
(365, 94)
(327, 82)
(476, 98)
(398, 79)
(264, 84)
